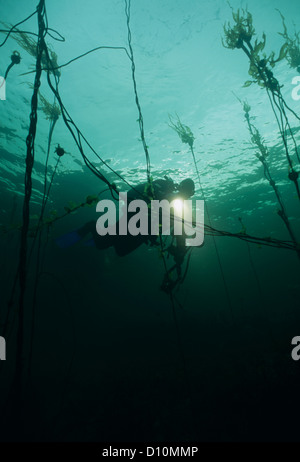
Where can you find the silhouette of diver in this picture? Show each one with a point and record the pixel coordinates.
(125, 244)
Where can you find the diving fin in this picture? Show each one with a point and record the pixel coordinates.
(89, 243)
(67, 240)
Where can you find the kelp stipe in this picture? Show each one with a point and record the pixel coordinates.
(23, 39)
(262, 156)
(240, 36)
(186, 135)
(15, 59)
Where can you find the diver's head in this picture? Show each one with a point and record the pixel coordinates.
(186, 188)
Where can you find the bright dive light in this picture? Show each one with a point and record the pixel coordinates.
(178, 205)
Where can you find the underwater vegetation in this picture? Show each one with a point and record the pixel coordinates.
(185, 134)
(34, 229)
(183, 131)
(240, 36)
(15, 59)
(48, 60)
(292, 46)
(51, 111)
(262, 154)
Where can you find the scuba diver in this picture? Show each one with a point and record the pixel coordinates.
(124, 244)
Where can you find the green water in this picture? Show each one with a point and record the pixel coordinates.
(111, 359)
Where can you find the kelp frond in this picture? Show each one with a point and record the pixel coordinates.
(242, 31)
(30, 45)
(51, 111)
(184, 132)
(292, 45)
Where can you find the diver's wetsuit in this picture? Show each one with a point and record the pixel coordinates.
(162, 188)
